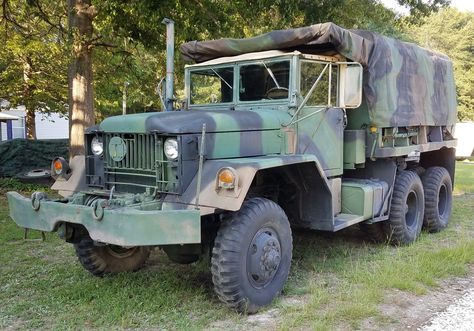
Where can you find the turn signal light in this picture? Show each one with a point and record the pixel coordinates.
(226, 178)
(59, 167)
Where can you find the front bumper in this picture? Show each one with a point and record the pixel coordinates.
(124, 226)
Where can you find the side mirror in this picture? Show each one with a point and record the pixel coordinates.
(350, 85)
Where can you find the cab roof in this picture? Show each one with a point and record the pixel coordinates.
(265, 55)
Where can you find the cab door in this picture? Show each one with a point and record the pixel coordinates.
(320, 123)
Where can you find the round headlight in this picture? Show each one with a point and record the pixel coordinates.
(97, 147)
(171, 148)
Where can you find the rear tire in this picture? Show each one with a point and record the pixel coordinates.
(251, 257)
(438, 190)
(407, 208)
(110, 259)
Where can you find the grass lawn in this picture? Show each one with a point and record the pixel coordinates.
(337, 279)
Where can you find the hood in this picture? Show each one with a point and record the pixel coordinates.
(179, 122)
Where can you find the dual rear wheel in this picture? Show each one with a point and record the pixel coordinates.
(416, 203)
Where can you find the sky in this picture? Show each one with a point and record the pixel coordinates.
(462, 5)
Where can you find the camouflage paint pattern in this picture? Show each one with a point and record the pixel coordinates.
(317, 132)
(354, 148)
(229, 133)
(212, 198)
(404, 85)
(181, 122)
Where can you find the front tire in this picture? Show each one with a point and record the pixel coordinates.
(407, 208)
(438, 190)
(109, 259)
(251, 257)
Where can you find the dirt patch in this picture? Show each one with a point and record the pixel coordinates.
(264, 320)
(399, 310)
(404, 310)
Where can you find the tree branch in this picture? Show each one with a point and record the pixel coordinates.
(5, 16)
(45, 17)
(102, 44)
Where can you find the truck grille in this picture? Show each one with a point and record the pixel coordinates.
(142, 166)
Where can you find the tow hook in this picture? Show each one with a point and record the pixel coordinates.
(98, 209)
(36, 198)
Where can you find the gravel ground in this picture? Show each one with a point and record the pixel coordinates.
(459, 316)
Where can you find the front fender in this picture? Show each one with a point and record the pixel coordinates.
(211, 198)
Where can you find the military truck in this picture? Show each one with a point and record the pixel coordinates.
(317, 127)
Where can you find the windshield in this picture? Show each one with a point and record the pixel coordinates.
(212, 85)
(264, 81)
(257, 81)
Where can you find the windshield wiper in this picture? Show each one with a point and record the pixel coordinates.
(222, 79)
(270, 72)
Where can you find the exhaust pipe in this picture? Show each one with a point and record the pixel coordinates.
(169, 63)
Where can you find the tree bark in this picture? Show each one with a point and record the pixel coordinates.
(80, 96)
(28, 88)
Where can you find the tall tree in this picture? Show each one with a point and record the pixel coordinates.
(80, 94)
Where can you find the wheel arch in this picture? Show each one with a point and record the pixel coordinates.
(248, 171)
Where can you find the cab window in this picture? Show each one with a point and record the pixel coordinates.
(264, 81)
(325, 92)
(211, 85)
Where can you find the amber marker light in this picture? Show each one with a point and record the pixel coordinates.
(226, 177)
(59, 167)
(373, 129)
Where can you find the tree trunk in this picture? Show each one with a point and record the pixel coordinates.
(80, 96)
(28, 88)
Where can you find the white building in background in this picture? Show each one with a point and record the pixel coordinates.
(48, 126)
(464, 133)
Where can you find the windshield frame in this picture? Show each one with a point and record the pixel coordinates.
(291, 57)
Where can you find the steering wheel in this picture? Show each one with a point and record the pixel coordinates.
(276, 92)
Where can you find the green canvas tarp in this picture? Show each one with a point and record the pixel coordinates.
(404, 84)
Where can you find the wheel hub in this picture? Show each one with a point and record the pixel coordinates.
(411, 209)
(263, 258)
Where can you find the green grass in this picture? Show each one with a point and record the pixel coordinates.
(464, 177)
(338, 279)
